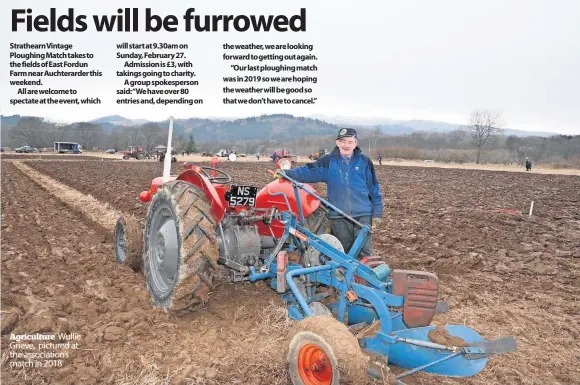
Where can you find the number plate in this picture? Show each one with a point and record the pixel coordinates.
(242, 196)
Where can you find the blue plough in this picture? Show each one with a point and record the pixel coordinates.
(400, 302)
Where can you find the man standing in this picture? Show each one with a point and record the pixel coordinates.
(380, 159)
(352, 186)
(528, 164)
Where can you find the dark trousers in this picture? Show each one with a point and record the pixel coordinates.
(346, 232)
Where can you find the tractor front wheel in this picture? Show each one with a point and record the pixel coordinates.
(129, 242)
(180, 247)
(323, 351)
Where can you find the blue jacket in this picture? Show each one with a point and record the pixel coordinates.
(352, 188)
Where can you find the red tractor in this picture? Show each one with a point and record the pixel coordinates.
(136, 152)
(283, 153)
(196, 220)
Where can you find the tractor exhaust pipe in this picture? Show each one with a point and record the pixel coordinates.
(168, 154)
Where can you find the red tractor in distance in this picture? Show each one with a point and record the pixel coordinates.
(283, 153)
(136, 152)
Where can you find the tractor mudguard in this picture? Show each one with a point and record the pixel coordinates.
(420, 290)
(215, 200)
(264, 199)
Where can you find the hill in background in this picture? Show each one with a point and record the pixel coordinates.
(279, 127)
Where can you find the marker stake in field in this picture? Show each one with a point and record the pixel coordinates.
(168, 153)
(531, 208)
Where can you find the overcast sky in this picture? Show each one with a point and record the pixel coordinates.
(433, 60)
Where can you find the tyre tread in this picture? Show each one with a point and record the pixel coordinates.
(198, 246)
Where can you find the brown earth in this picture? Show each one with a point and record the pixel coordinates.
(441, 336)
(48, 156)
(502, 272)
(58, 275)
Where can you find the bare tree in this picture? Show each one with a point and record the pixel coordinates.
(149, 132)
(131, 136)
(29, 131)
(483, 124)
(375, 135)
(60, 132)
(118, 140)
(178, 143)
(90, 134)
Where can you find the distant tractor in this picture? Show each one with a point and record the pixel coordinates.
(319, 154)
(283, 153)
(136, 152)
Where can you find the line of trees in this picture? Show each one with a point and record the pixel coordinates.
(452, 147)
(458, 147)
(482, 140)
(35, 132)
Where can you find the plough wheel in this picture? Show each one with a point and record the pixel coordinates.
(180, 247)
(323, 351)
(129, 242)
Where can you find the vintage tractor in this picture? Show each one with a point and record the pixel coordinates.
(136, 152)
(283, 153)
(355, 316)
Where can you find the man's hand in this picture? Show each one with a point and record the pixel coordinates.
(279, 174)
(376, 222)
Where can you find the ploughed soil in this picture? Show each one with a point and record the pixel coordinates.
(502, 272)
(48, 156)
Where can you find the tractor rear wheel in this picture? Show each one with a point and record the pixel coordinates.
(180, 247)
(318, 221)
(129, 242)
(323, 351)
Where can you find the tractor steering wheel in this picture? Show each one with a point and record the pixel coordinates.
(220, 178)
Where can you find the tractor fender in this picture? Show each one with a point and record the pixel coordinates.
(264, 199)
(307, 201)
(217, 205)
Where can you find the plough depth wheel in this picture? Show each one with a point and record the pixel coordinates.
(129, 242)
(181, 248)
(323, 351)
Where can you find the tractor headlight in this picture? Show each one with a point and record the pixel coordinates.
(285, 164)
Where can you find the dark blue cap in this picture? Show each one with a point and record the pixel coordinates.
(346, 132)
